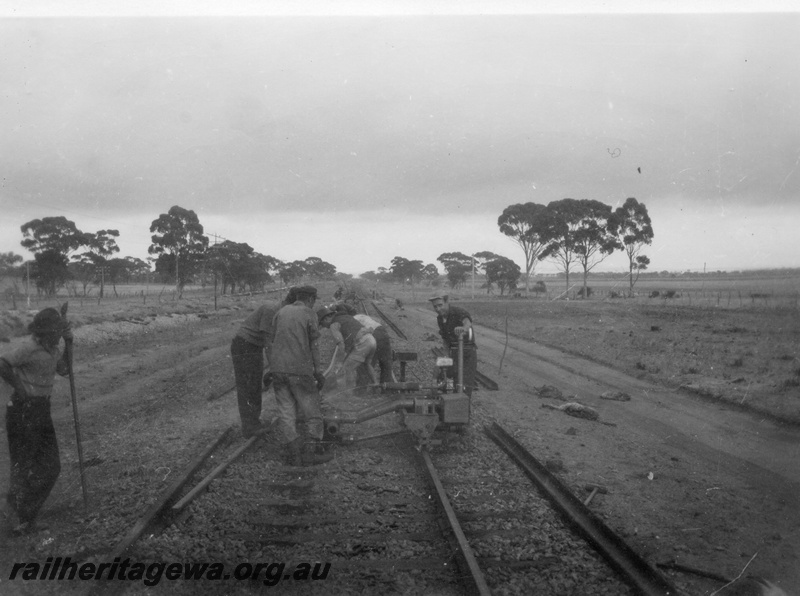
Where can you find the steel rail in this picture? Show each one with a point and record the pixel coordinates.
(109, 588)
(466, 550)
(166, 497)
(203, 484)
(486, 381)
(644, 578)
(389, 321)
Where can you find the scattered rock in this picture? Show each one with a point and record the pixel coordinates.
(548, 391)
(554, 465)
(615, 396)
(576, 409)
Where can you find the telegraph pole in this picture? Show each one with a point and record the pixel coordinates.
(473, 276)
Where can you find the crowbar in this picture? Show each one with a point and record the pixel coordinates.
(68, 350)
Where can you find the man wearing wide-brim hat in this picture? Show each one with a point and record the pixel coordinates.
(32, 445)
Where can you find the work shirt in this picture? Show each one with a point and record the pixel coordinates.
(367, 321)
(295, 327)
(447, 325)
(350, 329)
(35, 367)
(257, 328)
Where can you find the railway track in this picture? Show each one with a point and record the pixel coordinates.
(388, 320)
(375, 520)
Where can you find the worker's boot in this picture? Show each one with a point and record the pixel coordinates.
(294, 452)
(314, 454)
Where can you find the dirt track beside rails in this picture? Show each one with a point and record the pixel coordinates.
(725, 482)
(688, 478)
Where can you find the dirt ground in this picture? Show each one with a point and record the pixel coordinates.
(700, 464)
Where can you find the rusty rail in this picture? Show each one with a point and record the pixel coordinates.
(621, 557)
(463, 545)
(166, 497)
(389, 321)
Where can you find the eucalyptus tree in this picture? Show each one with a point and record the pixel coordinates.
(504, 272)
(634, 228)
(228, 262)
(292, 272)
(99, 246)
(430, 272)
(595, 236)
(524, 223)
(179, 245)
(579, 231)
(51, 239)
(9, 267)
(456, 265)
(319, 269)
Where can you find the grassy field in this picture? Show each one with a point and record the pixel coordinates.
(704, 339)
(766, 289)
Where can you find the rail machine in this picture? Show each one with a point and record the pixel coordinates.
(422, 409)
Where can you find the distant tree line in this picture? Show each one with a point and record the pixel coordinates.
(180, 253)
(498, 270)
(572, 233)
(579, 233)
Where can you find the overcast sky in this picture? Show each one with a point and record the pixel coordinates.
(357, 138)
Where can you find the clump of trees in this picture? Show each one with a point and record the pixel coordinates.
(579, 233)
(179, 250)
(183, 251)
(498, 270)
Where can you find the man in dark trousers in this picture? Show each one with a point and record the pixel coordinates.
(454, 321)
(253, 338)
(297, 379)
(30, 369)
(383, 347)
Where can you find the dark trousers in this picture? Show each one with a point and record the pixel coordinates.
(33, 449)
(383, 354)
(248, 369)
(470, 366)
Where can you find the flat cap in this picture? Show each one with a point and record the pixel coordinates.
(306, 291)
(443, 297)
(323, 312)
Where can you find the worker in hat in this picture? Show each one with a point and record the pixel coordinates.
(30, 369)
(453, 322)
(297, 379)
(355, 346)
(248, 348)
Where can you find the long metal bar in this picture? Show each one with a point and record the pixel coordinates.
(350, 439)
(486, 381)
(373, 411)
(463, 545)
(638, 572)
(178, 507)
(388, 321)
(68, 348)
(166, 497)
